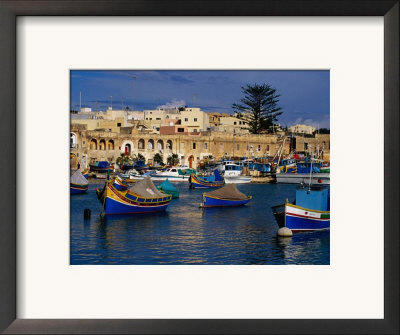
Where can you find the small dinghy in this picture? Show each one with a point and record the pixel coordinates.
(227, 196)
(168, 188)
(78, 183)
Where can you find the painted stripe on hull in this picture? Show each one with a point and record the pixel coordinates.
(116, 207)
(212, 202)
(77, 190)
(119, 186)
(296, 223)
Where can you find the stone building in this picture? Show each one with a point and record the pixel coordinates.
(90, 145)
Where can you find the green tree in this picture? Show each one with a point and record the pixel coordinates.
(140, 157)
(158, 158)
(259, 107)
(323, 131)
(173, 159)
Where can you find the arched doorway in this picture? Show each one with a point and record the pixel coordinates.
(141, 143)
(93, 144)
(127, 149)
(150, 145)
(110, 145)
(190, 160)
(102, 145)
(73, 141)
(160, 145)
(169, 145)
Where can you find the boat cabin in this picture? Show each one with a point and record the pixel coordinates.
(316, 197)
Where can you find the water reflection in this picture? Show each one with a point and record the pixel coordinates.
(187, 234)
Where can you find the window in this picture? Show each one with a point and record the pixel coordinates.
(267, 147)
(237, 146)
(158, 118)
(151, 118)
(195, 130)
(195, 119)
(305, 146)
(259, 147)
(186, 119)
(118, 124)
(240, 122)
(205, 146)
(194, 145)
(182, 145)
(181, 130)
(84, 142)
(234, 122)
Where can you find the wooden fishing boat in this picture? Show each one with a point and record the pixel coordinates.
(167, 188)
(227, 196)
(120, 184)
(215, 180)
(101, 166)
(78, 183)
(142, 197)
(309, 212)
(86, 173)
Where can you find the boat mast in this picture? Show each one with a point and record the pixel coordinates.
(309, 183)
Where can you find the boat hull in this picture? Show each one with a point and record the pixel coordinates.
(120, 184)
(78, 189)
(217, 202)
(196, 182)
(94, 168)
(237, 180)
(172, 179)
(300, 219)
(297, 178)
(115, 202)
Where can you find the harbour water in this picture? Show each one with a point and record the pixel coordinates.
(186, 234)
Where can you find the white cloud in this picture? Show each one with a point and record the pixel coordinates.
(175, 103)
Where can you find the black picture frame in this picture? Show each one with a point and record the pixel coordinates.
(9, 10)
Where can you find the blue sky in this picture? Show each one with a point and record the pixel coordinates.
(304, 94)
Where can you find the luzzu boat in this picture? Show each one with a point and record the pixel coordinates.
(86, 173)
(287, 165)
(142, 197)
(167, 188)
(78, 183)
(227, 196)
(120, 184)
(100, 166)
(310, 212)
(305, 171)
(215, 180)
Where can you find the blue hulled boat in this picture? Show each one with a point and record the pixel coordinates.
(86, 173)
(215, 180)
(78, 183)
(101, 166)
(309, 212)
(142, 197)
(227, 196)
(120, 184)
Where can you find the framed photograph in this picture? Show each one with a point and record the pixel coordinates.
(171, 167)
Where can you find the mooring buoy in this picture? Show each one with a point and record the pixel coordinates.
(86, 214)
(285, 232)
